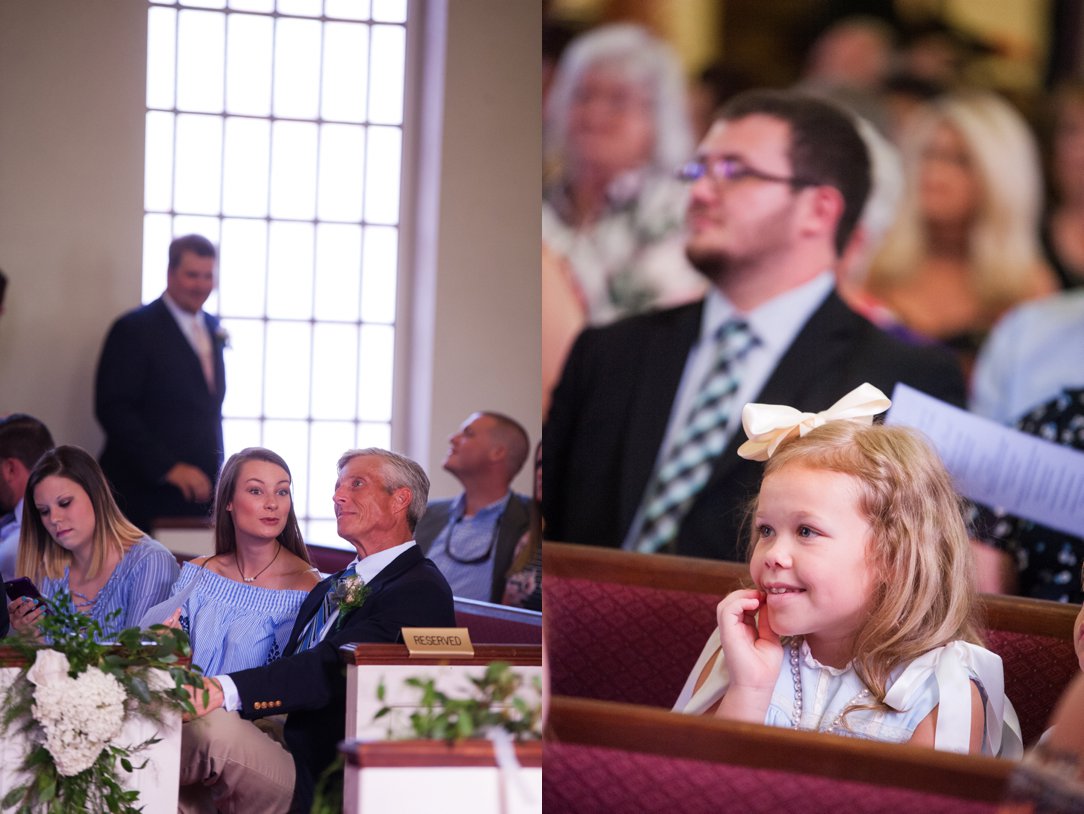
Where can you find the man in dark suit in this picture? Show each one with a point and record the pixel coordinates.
(777, 187)
(473, 537)
(379, 497)
(160, 385)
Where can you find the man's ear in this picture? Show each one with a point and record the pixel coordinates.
(401, 498)
(823, 209)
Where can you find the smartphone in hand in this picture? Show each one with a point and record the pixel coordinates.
(22, 587)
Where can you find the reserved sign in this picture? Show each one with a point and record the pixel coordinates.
(438, 641)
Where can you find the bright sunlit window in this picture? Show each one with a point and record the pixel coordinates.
(276, 130)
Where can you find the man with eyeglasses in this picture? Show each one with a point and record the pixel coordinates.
(473, 537)
(640, 442)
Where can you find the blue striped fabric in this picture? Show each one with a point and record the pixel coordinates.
(234, 626)
(141, 579)
(314, 630)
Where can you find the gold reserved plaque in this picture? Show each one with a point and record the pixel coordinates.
(438, 641)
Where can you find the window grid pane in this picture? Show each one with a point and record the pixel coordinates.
(259, 137)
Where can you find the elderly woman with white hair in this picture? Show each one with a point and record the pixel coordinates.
(964, 247)
(616, 128)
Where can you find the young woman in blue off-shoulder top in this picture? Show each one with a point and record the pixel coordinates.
(240, 603)
(74, 539)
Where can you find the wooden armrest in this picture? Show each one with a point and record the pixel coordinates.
(654, 731)
(359, 655)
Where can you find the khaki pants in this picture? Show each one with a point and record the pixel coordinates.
(232, 765)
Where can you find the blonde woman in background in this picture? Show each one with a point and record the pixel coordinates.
(964, 246)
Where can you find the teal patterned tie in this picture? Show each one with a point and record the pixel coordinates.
(690, 460)
(310, 636)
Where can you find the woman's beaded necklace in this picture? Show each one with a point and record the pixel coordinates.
(796, 711)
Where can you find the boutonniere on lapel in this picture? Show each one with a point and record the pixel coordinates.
(349, 594)
(222, 336)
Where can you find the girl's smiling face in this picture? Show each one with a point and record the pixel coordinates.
(810, 559)
(66, 511)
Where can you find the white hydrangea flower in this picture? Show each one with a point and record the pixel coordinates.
(79, 717)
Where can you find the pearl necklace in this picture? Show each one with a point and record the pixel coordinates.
(240, 570)
(796, 711)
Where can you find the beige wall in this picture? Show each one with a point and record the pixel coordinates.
(71, 197)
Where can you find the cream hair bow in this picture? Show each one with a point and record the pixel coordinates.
(767, 425)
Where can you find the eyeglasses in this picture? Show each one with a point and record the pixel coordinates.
(733, 169)
(464, 559)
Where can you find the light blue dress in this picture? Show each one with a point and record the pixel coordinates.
(234, 626)
(141, 579)
(939, 678)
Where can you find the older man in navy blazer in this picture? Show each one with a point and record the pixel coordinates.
(160, 385)
(379, 497)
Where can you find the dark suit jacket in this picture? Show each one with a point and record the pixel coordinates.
(513, 524)
(4, 622)
(153, 403)
(311, 686)
(609, 414)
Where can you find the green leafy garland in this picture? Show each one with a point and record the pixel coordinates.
(130, 661)
(496, 704)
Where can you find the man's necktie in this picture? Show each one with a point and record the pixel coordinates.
(692, 456)
(204, 351)
(310, 636)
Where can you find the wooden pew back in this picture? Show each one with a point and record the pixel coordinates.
(618, 757)
(628, 627)
(1035, 641)
(367, 665)
(498, 624)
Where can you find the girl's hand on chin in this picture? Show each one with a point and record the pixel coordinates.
(753, 652)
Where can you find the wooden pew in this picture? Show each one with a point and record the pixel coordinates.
(628, 627)
(605, 756)
(368, 665)
(419, 777)
(490, 623)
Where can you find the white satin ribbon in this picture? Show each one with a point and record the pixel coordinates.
(768, 425)
(504, 751)
(952, 667)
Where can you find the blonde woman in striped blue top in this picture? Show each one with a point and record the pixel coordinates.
(75, 540)
(245, 596)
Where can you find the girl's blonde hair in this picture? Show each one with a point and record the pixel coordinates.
(918, 550)
(1003, 245)
(39, 554)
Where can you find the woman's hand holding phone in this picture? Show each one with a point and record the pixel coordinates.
(26, 607)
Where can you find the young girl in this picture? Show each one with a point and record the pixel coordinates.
(862, 619)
